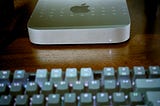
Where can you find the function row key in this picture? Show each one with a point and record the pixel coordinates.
(56, 75)
(140, 72)
(85, 74)
(41, 76)
(18, 76)
(5, 76)
(154, 71)
(71, 75)
(135, 73)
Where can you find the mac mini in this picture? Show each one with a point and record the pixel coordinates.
(79, 22)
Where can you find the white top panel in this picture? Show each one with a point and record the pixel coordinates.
(58, 14)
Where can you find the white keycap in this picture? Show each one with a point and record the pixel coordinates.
(86, 74)
(41, 76)
(71, 74)
(56, 75)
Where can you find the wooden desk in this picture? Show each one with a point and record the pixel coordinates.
(142, 49)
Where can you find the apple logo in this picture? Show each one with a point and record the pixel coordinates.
(83, 8)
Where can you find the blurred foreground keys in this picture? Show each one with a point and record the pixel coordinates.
(84, 87)
(153, 98)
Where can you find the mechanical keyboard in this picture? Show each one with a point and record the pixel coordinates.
(85, 87)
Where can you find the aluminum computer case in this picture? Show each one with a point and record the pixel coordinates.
(79, 22)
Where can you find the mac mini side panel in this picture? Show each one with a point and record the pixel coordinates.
(79, 22)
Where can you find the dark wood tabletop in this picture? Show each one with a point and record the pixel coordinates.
(142, 49)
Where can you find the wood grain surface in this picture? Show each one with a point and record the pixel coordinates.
(142, 49)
